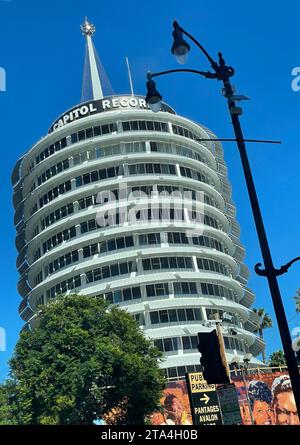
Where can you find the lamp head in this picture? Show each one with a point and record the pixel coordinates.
(247, 358)
(180, 47)
(235, 360)
(153, 98)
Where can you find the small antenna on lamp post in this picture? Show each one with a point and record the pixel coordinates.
(129, 76)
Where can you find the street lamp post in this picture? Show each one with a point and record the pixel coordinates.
(222, 72)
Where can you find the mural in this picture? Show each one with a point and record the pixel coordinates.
(176, 408)
(270, 399)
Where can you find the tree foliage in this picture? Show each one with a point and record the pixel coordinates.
(82, 361)
(265, 322)
(277, 358)
(297, 300)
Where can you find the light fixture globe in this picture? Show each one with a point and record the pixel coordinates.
(153, 98)
(180, 47)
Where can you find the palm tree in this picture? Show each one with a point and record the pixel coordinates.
(265, 322)
(297, 298)
(277, 359)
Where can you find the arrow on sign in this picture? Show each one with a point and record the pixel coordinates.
(206, 399)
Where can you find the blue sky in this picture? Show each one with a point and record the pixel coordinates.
(42, 52)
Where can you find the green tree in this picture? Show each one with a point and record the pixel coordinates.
(7, 390)
(82, 360)
(265, 322)
(277, 358)
(297, 300)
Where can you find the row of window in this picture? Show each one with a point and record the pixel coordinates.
(173, 344)
(122, 242)
(141, 215)
(142, 125)
(63, 287)
(179, 372)
(118, 149)
(176, 315)
(165, 289)
(194, 174)
(183, 131)
(57, 146)
(149, 168)
(62, 261)
(211, 265)
(126, 242)
(165, 147)
(188, 343)
(205, 241)
(156, 263)
(112, 172)
(160, 263)
(136, 191)
(57, 215)
(156, 214)
(95, 131)
(54, 170)
(101, 273)
(217, 290)
(109, 150)
(59, 238)
(98, 130)
(98, 175)
(162, 290)
(55, 192)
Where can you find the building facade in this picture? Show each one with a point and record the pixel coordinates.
(134, 206)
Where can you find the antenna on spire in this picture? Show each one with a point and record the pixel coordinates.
(95, 80)
(129, 76)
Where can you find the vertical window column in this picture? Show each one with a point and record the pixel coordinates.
(148, 148)
(164, 239)
(68, 139)
(125, 170)
(80, 254)
(178, 172)
(194, 259)
(147, 309)
(139, 266)
(83, 280)
(76, 206)
(119, 127)
(73, 183)
(171, 290)
(180, 346)
(154, 193)
(202, 309)
(170, 128)
(78, 231)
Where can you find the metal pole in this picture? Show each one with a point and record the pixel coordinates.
(270, 271)
(247, 395)
(222, 345)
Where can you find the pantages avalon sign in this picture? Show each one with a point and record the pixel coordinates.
(99, 106)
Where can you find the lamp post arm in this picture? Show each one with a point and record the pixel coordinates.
(206, 74)
(283, 269)
(209, 58)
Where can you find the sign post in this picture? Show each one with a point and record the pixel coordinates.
(230, 408)
(204, 400)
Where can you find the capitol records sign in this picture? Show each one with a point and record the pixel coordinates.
(110, 103)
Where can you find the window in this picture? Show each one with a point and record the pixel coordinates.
(110, 271)
(156, 263)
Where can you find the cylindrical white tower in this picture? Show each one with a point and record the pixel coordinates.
(135, 207)
(170, 265)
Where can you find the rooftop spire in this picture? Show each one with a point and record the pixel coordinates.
(95, 80)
